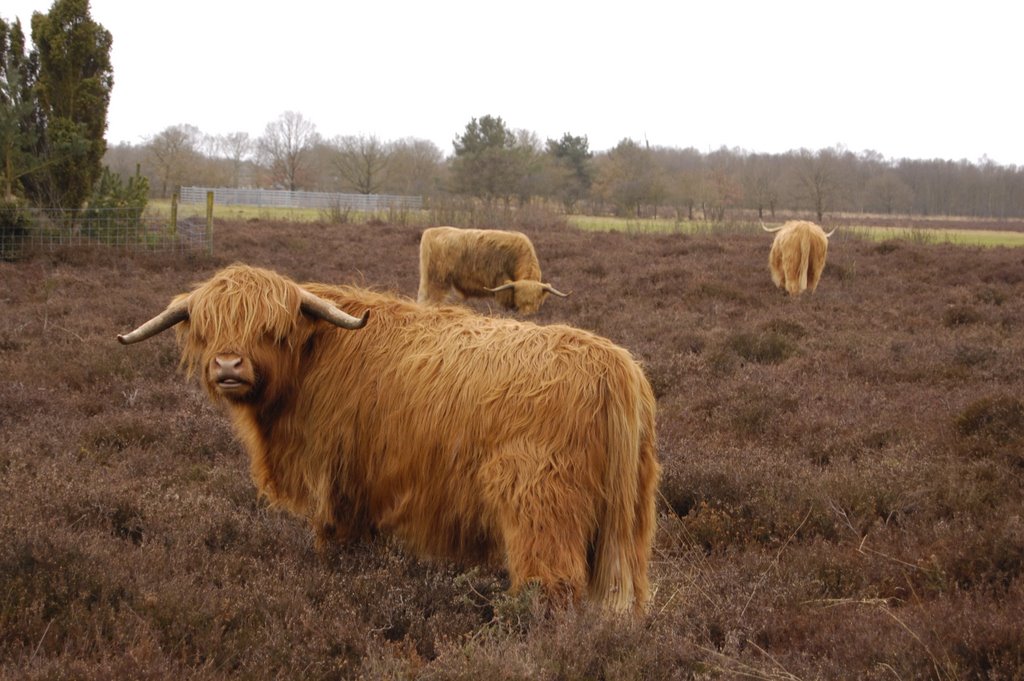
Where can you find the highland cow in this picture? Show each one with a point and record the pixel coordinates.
(797, 257)
(481, 263)
(472, 438)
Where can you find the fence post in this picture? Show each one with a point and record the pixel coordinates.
(209, 222)
(174, 215)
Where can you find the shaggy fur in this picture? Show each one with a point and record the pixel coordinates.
(469, 261)
(468, 437)
(797, 257)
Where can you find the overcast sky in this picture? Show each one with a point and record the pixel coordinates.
(902, 78)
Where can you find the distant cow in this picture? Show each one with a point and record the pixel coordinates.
(797, 258)
(481, 263)
(469, 437)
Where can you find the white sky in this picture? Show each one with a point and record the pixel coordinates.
(904, 78)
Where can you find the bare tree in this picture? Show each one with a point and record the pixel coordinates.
(628, 177)
(682, 170)
(285, 148)
(362, 162)
(720, 188)
(236, 147)
(174, 152)
(818, 179)
(761, 183)
(416, 167)
(887, 193)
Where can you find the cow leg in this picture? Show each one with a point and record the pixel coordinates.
(814, 269)
(813, 277)
(545, 524)
(546, 551)
(335, 520)
(775, 266)
(324, 536)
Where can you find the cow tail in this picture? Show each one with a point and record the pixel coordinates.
(805, 254)
(626, 528)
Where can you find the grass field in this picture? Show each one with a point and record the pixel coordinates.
(974, 233)
(842, 492)
(960, 237)
(923, 233)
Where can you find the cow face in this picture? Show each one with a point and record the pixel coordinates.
(243, 331)
(524, 296)
(245, 368)
(528, 296)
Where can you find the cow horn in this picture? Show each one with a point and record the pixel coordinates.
(175, 313)
(831, 233)
(770, 229)
(551, 289)
(503, 287)
(316, 306)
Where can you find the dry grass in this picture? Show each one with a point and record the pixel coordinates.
(844, 477)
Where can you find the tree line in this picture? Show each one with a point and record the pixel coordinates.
(53, 152)
(495, 163)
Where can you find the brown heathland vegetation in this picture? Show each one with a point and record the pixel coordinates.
(842, 492)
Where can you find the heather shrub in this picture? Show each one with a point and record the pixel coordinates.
(103, 437)
(1003, 273)
(717, 290)
(999, 419)
(839, 272)
(990, 558)
(992, 427)
(960, 315)
(971, 356)
(787, 328)
(990, 295)
(763, 348)
(841, 491)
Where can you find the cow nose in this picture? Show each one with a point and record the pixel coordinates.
(227, 368)
(228, 363)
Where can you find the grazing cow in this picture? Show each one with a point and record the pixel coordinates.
(797, 258)
(481, 263)
(474, 438)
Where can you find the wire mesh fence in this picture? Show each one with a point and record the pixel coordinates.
(281, 198)
(122, 229)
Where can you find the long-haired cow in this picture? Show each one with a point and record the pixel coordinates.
(467, 437)
(797, 257)
(481, 263)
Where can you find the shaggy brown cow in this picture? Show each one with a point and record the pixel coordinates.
(797, 257)
(468, 437)
(481, 263)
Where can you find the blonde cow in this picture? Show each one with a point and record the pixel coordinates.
(480, 439)
(481, 263)
(798, 254)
